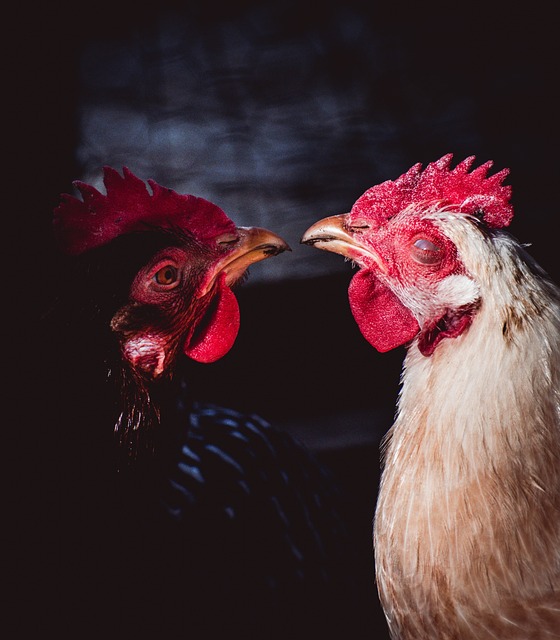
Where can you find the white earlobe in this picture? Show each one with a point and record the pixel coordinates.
(146, 353)
(457, 290)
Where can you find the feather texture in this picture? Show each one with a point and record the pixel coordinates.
(467, 528)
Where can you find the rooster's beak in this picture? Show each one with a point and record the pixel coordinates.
(330, 234)
(336, 235)
(250, 245)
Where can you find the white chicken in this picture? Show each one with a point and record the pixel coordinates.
(467, 523)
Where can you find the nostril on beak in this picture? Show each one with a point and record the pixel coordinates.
(358, 225)
(227, 239)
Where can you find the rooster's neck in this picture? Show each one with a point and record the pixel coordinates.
(492, 394)
(471, 478)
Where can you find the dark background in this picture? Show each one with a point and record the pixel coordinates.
(371, 88)
(353, 93)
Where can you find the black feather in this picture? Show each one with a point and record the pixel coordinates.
(219, 525)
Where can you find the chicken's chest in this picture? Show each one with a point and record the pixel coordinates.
(461, 511)
(429, 519)
(433, 539)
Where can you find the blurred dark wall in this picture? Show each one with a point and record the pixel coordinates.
(457, 78)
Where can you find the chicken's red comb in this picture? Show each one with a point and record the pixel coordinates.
(129, 206)
(474, 192)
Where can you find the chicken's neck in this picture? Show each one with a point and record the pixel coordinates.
(490, 397)
(148, 415)
(472, 463)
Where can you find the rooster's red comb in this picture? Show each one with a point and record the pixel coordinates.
(81, 225)
(475, 192)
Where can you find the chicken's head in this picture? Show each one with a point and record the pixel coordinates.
(180, 297)
(412, 280)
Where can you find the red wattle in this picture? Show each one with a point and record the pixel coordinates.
(381, 317)
(218, 336)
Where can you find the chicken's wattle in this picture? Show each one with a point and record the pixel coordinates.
(216, 333)
(381, 317)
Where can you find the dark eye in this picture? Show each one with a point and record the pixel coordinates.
(166, 275)
(426, 252)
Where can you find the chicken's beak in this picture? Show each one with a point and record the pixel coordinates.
(252, 244)
(330, 234)
(336, 235)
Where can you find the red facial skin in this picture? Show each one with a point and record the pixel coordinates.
(166, 315)
(170, 282)
(411, 253)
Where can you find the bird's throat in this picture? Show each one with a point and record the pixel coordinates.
(451, 325)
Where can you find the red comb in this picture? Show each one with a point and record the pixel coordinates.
(474, 192)
(129, 206)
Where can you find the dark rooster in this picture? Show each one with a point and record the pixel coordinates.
(467, 525)
(174, 518)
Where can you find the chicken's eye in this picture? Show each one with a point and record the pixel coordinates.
(425, 251)
(166, 275)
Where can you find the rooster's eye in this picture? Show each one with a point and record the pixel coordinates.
(166, 275)
(426, 252)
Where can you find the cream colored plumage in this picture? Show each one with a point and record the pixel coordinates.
(467, 523)
(467, 526)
